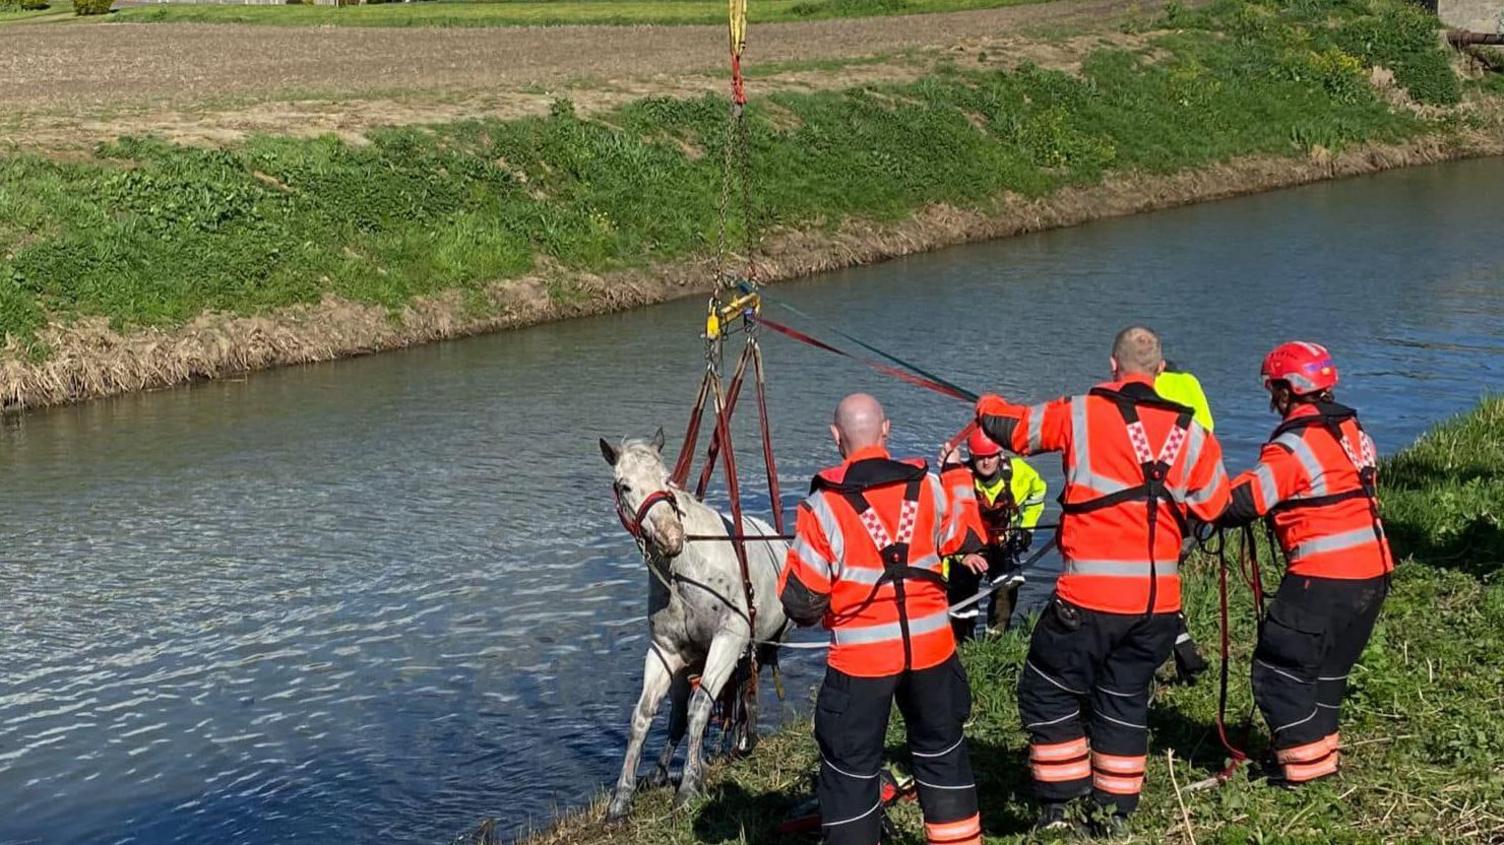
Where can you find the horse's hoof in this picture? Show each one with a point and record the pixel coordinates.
(618, 811)
(659, 778)
(689, 790)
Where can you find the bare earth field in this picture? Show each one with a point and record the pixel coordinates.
(212, 84)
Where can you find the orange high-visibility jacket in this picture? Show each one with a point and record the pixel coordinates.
(1318, 476)
(1121, 445)
(868, 543)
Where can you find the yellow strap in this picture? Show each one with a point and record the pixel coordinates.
(738, 26)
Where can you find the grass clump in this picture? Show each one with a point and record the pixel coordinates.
(151, 234)
(1422, 724)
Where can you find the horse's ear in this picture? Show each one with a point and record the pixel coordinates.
(609, 452)
(658, 439)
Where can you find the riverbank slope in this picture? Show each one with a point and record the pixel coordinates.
(1422, 730)
(147, 264)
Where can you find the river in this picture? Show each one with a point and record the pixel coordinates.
(387, 597)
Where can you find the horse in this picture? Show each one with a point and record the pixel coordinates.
(697, 612)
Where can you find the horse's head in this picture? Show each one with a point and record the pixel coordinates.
(647, 504)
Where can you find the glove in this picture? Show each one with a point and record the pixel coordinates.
(1019, 541)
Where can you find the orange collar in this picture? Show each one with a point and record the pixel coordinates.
(867, 453)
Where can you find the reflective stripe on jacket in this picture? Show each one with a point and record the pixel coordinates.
(1108, 559)
(874, 602)
(1318, 478)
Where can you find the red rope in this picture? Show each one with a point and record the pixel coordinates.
(774, 495)
(885, 369)
(692, 433)
(733, 393)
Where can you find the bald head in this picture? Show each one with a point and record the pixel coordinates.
(859, 422)
(1136, 350)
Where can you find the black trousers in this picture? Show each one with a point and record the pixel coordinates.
(1083, 696)
(851, 721)
(1315, 631)
(962, 584)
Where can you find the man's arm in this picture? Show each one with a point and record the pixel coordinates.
(1026, 429)
(808, 570)
(1276, 477)
(960, 518)
(1207, 487)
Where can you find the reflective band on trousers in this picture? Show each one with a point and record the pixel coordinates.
(1118, 785)
(1310, 751)
(964, 832)
(1068, 750)
(1118, 764)
(1334, 542)
(891, 630)
(1121, 568)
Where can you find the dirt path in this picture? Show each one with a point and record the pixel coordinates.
(212, 84)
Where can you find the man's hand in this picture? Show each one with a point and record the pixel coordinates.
(976, 563)
(949, 454)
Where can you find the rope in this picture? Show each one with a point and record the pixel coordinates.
(987, 588)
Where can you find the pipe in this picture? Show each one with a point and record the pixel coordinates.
(1465, 38)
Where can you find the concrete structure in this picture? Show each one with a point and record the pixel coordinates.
(1473, 15)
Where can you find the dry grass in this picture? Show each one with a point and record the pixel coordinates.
(92, 360)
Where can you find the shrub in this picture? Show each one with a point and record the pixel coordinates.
(92, 7)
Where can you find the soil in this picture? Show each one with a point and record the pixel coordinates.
(214, 84)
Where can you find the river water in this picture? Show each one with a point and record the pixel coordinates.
(385, 598)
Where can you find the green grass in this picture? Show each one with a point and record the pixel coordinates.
(1423, 721)
(150, 234)
(546, 12)
(15, 14)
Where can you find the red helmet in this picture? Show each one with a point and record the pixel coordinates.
(1306, 367)
(982, 446)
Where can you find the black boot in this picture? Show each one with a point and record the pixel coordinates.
(1055, 817)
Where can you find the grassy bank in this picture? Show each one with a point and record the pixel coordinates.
(466, 13)
(148, 237)
(1423, 723)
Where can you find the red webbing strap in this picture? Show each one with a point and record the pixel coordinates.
(733, 491)
(738, 84)
(692, 432)
(733, 393)
(774, 495)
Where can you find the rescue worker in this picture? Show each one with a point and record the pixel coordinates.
(1010, 499)
(865, 563)
(1182, 387)
(1316, 481)
(1135, 465)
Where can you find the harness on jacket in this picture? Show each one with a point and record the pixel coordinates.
(1330, 417)
(892, 550)
(1154, 468)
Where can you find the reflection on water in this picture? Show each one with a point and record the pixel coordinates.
(388, 597)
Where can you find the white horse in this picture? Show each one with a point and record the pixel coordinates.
(697, 610)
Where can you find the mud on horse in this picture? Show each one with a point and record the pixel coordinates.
(697, 611)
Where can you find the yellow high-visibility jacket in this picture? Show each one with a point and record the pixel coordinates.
(1185, 389)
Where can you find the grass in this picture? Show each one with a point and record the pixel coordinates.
(462, 13)
(1422, 722)
(151, 234)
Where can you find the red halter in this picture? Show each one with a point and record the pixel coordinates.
(633, 524)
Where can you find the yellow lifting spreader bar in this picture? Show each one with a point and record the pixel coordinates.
(717, 318)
